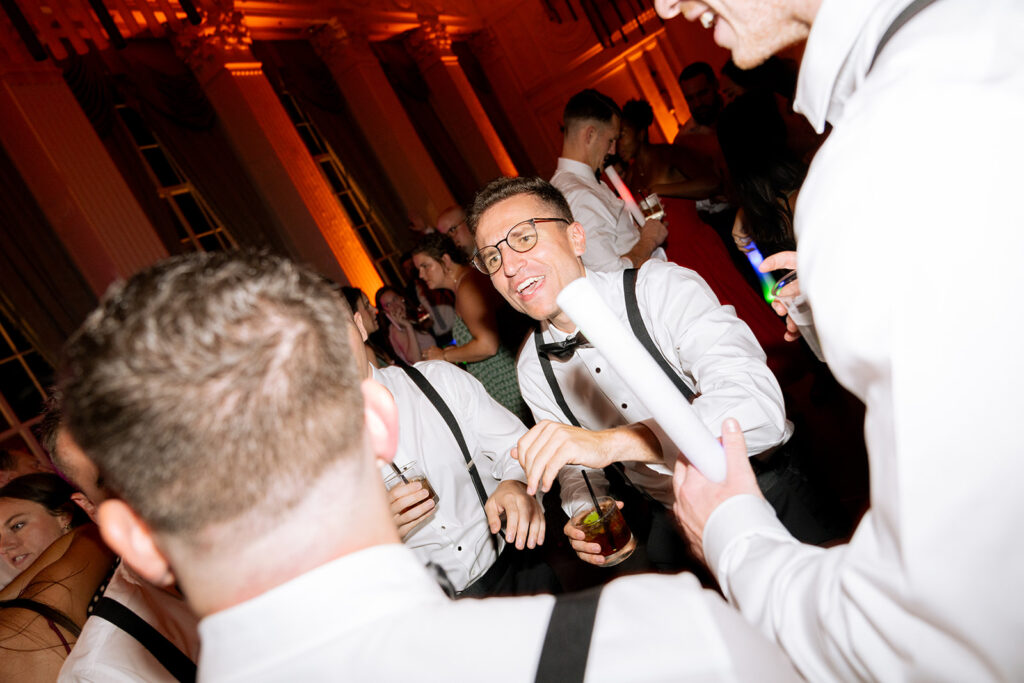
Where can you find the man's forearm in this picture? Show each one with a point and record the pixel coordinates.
(632, 443)
(641, 251)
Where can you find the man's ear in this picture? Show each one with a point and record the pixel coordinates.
(381, 420)
(83, 501)
(130, 537)
(577, 238)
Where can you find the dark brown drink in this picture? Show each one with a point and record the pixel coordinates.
(409, 473)
(430, 491)
(608, 529)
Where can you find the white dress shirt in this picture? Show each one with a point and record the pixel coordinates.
(610, 229)
(377, 615)
(456, 537)
(711, 349)
(106, 653)
(909, 251)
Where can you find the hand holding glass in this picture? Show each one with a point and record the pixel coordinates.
(410, 473)
(607, 528)
(799, 310)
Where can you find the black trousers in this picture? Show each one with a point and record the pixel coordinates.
(806, 509)
(515, 572)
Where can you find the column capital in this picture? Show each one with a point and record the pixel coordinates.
(485, 45)
(221, 41)
(431, 42)
(340, 39)
(14, 55)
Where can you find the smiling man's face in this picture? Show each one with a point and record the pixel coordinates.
(531, 281)
(753, 30)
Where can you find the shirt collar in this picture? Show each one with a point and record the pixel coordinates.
(577, 168)
(362, 585)
(838, 53)
(555, 334)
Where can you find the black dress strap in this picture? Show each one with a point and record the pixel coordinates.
(563, 658)
(167, 653)
(45, 611)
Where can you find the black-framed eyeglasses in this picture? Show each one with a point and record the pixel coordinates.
(521, 237)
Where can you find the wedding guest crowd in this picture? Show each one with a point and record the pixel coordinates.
(294, 483)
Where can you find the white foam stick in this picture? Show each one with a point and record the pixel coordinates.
(625, 195)
(641, 373)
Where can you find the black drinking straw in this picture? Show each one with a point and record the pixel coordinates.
(399, 473)
(597, 508)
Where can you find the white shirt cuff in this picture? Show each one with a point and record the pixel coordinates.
(737, 518)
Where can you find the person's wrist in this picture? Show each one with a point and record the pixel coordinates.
(444, 353)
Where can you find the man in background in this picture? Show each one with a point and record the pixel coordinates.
(592, 124)
(114, 645)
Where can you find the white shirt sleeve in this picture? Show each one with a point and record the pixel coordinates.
(717, 353)
(605, 248)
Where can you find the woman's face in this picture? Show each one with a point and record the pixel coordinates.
(430, 270)
(628, 142)
(368, 314)
(28, 529)
(392, 303)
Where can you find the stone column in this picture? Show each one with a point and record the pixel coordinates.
(68, 170)
(456, 104)
(267, 143)
(641, 70)
(679, 110)
(543, 147)
(381, 118)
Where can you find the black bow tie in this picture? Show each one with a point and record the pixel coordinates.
(563, 350)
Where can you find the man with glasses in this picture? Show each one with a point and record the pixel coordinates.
(530, 246)
(592, 123)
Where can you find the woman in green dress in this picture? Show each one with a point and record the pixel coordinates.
(487, 332)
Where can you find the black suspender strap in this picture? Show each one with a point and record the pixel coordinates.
(165, 652)
(902, 18)
(563, 659)
(45, 611)
(435, 398)
(549, 375)
(636, 322)
(616, 472)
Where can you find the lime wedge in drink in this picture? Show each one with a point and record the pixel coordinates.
(591, 518)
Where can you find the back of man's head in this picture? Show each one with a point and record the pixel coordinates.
(698, 69)
(588, 106)
(214, 388)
